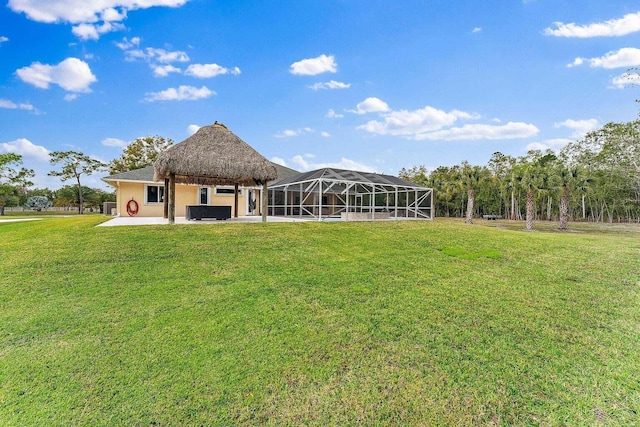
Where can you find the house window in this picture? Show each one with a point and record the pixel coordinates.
(154, 194)
(204, 196)
(227, 191)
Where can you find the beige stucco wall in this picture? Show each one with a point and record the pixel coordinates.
(126, 191)
(185, 195)
(228, 200)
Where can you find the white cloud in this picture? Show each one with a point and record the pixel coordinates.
(302, 163)
(550, 144)
(279, 160)
(576, 62)
(625, 80)
(579, 127)
(92, 18)
(3, 39)
(512, 130)
(535, 146)
(314, 66)
(166, 57)
(72, 74)
(628, 24)
(325, 134)
(71, 97)
(155, 54)
(416, 122)
(182, 93)
(93, 32)
(164, 70)
(204, 71)
(160, 60)
(134, 55)
(25, 148)
(74, 12)
(114, 142)
(332, 84)
(191, 129)
(129, 44)
(371, 105)
(476, 30)
(10, 105)
(289, 133)
(430, 123)
(333, 115)
(344, 163)
(113, 14)
(622, 58)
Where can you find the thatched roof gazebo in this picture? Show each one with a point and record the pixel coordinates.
(213, 156)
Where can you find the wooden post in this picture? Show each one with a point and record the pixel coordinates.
(165, 202)
(235, 200)
(264, 195)
(172, 198)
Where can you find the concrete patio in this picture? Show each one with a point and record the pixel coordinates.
(135, 220)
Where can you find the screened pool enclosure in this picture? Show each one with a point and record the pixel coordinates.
(348, 195)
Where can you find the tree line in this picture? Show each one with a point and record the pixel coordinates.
(16, 185)
(595, 179)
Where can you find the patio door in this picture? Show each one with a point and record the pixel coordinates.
(251, 202)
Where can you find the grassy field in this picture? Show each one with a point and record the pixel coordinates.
(388, 323)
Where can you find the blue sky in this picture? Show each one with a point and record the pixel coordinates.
(368, 85)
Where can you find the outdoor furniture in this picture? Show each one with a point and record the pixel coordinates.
(198, 212)
(492, 217)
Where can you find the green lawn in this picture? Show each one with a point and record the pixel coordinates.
(386, 323)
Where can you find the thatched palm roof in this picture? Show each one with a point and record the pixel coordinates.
(214, 156)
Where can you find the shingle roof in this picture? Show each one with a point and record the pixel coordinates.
(284, 172)
(140, 175)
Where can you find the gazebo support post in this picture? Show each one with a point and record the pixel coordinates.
(165, 199)
(265, 198)
(172, 198)
(235, 200)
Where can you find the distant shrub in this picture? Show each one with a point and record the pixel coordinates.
(37, 203)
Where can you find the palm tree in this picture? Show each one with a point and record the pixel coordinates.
(471, 177)
(530, 176)
(568, 179)
(501, 166)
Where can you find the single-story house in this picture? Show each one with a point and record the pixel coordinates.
(319, 194)
(215, 173)
(147, 194)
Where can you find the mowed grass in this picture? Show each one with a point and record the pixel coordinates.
(386, 323)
